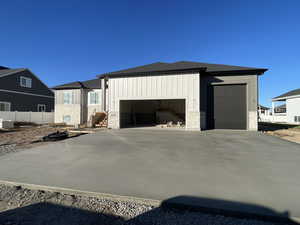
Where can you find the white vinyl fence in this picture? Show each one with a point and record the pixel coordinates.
(277, 118)
(34, 117)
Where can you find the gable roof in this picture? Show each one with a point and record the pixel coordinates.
(183, 66)
(88, 84)
(4, 71)
(263, 107)
(288, 94)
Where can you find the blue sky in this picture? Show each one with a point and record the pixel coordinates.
(64, 41)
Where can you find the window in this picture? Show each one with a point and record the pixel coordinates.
(93, 98)
(4, 106)
(68, 98)
(25, 82)
(67, 118)
(297, 119)
(41, 108)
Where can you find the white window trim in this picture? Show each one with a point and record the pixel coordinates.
(99, 98)
(24, 93)
(64, 117)
(39, 107)
(9, 106)
(70, 100)
(28, 82)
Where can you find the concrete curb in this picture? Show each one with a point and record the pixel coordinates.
(70, 191)
(155, 203)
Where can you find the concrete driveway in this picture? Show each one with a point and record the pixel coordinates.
(238, 166)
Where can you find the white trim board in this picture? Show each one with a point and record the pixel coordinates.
(12, 72)
(24, 93)
(285, 98)
(9, 106)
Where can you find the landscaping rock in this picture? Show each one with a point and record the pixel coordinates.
(25, 206)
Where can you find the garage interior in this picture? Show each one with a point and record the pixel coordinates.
(145, 113)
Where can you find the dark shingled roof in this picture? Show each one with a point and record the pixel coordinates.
(289, 94)
(90, 84)
(263, 107)
(4, 71)
(182, 66)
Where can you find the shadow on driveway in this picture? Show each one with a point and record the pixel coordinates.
(264, 126)
(177, 210)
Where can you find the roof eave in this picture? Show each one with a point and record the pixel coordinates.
(202, 69)
(14, 71)
(244, 72)
(64, 88)
(285, 97)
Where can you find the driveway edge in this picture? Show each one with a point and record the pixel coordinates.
(70, 191)
(155, 203)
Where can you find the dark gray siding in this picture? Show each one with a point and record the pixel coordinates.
(12, 82)
(250, 100)
(227, 107)
(21, 102)
(24, 102)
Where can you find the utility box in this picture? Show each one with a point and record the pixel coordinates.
(6, 124)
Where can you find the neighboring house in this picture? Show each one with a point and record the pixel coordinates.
(291, 106)
(280, 108)
(21, 90)
(75, 102)
(199, 95)
(263, 110)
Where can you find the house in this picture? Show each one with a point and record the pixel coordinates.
(21, 90)
(191, 94)
(280, 108)
(263, 110)
(290, 108)
(75, 102)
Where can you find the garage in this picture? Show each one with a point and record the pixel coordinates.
(227, 107)
(143, 113)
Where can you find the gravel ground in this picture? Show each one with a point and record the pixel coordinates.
(7, 148)
(25, 206)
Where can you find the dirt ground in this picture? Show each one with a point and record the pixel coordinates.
(284, 131)
(26, 136)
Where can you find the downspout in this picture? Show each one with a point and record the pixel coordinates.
(103, 86)
(81, 105)
(104, 101)
(257, 102)
(103, 95)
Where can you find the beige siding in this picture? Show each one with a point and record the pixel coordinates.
(80, 110)
(93, 108)
(59, 96)
(73, 110)
(175, 86)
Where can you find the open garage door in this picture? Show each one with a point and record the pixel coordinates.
(138, 113)
(227, 107)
